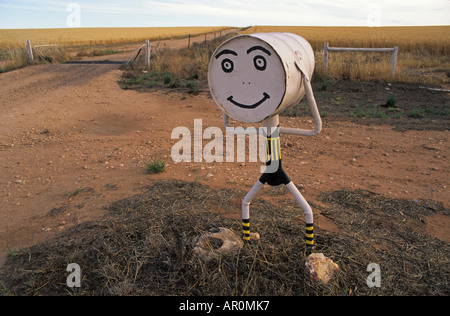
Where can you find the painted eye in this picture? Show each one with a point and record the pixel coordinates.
(227, 65)
(260, 63)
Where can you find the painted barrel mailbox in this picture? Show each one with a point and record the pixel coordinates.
(262, 71)
(253, 78)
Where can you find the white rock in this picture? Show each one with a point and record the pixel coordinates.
(217, 242)
(320, 268)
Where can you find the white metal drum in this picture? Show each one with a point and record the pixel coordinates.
(253, 77)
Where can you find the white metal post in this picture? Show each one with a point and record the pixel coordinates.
(394, 61)
(351, 49)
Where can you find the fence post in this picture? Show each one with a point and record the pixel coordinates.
(394, 61)
(325, 59)
(189, 41)
(147, 53)
(29, 52)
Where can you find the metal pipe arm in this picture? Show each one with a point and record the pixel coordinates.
(311, 102)
(314, 111)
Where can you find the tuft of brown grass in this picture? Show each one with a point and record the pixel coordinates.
(13, 58)
(184, 64)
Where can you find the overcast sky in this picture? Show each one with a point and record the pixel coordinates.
(134, 13)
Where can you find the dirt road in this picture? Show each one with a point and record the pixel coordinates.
(72, 142)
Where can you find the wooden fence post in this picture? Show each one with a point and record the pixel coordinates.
(29, 51)
(189, 41)
(147, 53)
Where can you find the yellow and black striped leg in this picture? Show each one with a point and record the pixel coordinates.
(309, 238)
(246, 229)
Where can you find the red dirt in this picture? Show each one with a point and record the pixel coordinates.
(72, 142)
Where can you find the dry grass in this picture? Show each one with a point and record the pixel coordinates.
(185, 63)
(422, 39)
(11, 59)
(84, 41)
(186, 68)
(96, 36)
(144, 247)
(423, 52)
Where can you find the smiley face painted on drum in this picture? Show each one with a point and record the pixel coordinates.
(248, 79)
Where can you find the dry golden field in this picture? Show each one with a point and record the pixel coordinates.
(95, 36)
(78, 41)
(430, 39)
(423, 51)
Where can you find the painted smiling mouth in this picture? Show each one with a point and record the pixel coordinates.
(244, 106)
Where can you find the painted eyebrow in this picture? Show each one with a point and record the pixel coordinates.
(226, 51)
(258, 48)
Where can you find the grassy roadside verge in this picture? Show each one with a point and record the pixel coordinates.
(184, 69)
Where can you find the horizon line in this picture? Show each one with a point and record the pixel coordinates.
(223, 26)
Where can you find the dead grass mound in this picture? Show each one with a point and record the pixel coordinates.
(144, 247)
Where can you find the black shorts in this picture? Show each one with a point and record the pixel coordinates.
(276, 178)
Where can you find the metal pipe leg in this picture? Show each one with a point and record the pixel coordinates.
(246, 209)
(309, 218)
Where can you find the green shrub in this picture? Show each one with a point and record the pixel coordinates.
(324, 84)
(168, 79)
(156, 166)
(416, 113)
(391, 101)
(193, 87)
